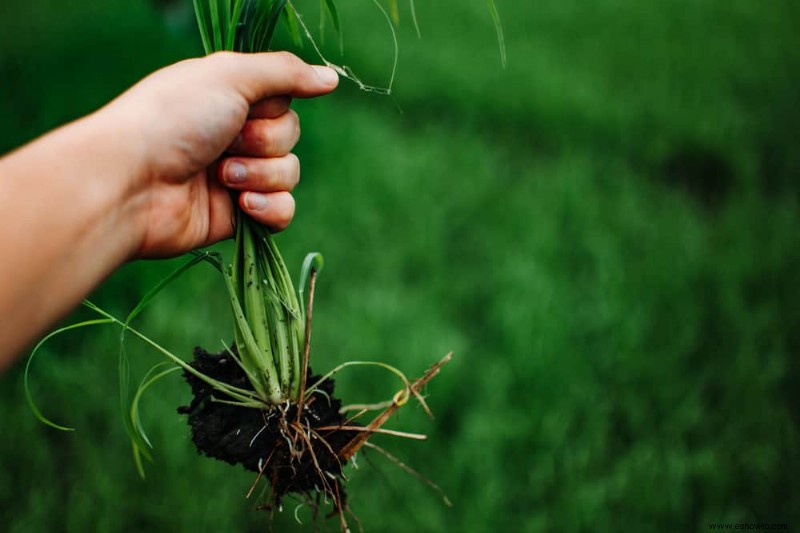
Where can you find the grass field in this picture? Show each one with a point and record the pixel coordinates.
(605, 233)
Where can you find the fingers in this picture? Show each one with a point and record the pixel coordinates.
(272, 107)
(259, 76)
(266, 184)
(263, 167)
(261, 175)
(275, 210)
(268, 137)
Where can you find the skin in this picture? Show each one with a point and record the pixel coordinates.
(147, 176)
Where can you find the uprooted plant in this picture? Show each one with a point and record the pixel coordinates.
(256, 403)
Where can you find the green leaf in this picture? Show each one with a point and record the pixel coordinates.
(333, 12)
(233, 31)
(203, 26)
(26, 381)
(331, 373)
(414, 18)
(152, 293)
(292, 25)
(272, 19)
(498, 27)
(149, 378)
(246, 396)
(216, 25)
(312, 261)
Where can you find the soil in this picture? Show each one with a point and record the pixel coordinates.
(291, 452)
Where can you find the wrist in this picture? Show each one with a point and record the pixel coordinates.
(121, 174)
(71, 207)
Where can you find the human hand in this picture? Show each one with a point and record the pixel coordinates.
(206, 125)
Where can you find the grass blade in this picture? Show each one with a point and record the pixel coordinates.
(292, 25)
(149, 378)
(498, 27)
(275, 12)
(234, 25)
(271, 389)
(216, 27)
(203, 26)
(26, 382)
(313, 261)
(232, 391)
(333, 12)
(226, 28)
(152, 293)
(414, 18)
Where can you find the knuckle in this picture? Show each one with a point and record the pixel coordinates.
(293, 172)
(221, 55)
(275, 178)
(221, 59)
(294, 120)
(285, 214)
(263, 139)
(288, 59)
(269, 143)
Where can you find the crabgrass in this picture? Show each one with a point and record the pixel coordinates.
(605, 233)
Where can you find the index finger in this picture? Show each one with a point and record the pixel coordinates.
(272, 107)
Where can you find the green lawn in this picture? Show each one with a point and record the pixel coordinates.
(605, 233)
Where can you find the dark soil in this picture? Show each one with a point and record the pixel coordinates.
(291, 452)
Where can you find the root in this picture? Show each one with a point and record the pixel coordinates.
(298, 448)
(411, 471)
(354, 445)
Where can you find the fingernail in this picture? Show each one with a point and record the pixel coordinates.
(235, 172)
(326, 74)
(254, 201)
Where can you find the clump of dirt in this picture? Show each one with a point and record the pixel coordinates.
(296, 454)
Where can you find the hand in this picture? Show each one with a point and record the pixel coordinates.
(211, 123)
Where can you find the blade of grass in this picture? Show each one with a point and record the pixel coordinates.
(333, 12)
(395, 43)
(292, 326)
(274, 16)
(234, 25)
(292, 25)
(149, 378)
(26, 381)
(201, 23)
(152, 293)
(139, 441)
(216, 30)
(235, 392)
(414, 18)
(312, 261)
(269, 391)
(342, 366)
(225, 23)
(498, 27)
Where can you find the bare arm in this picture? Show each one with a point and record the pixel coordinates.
(142, 177)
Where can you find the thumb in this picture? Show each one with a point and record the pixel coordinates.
(259, 76)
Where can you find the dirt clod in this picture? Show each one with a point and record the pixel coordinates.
(286, 450)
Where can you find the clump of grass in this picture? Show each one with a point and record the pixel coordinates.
(256, 403)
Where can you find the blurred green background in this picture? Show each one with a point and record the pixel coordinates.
(605, 233)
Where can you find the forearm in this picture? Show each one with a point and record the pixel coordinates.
(132, 180)
(68, 207)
